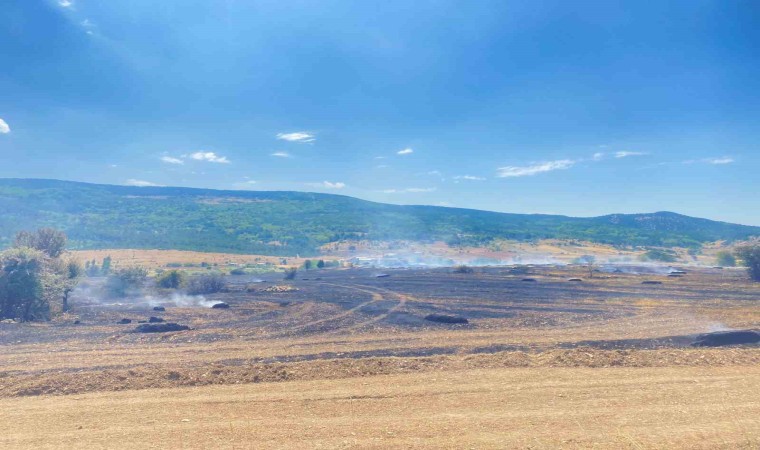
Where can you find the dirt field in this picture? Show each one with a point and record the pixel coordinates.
(344, 358)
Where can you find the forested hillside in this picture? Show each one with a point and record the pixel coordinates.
(286, 223)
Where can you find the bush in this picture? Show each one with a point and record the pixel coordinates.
(463, 269)
(206, 284)
(29, 284)
(659, 255)
(173, 279)
(290, 273)
(749, 254)
(725, 259)
(125, 281)
(237, 271)
(47, 240)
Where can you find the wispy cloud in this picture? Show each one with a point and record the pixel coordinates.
(282, 154)
(382, 166)
(209, 157)
(140, 183)
(298, 136)
(407, 190)
(406, 151)
(171, 160)
(329, 185)
(625, 154)
(719, 161)
(598, 156)
(379, 157)
(469, 177)
(4, 127)
(65, 3)
(534, 169)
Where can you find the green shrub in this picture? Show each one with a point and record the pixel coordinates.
(172, 279)
(749, 254)
(29, 284)
(238, 271)
(725, 258)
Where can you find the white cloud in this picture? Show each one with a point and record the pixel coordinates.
(406, 151)
(598, 156)
(329, 185)
(407, 190)
(65, 3)
(170, 160)
(435, 172)
(140, 183)
(627, 154)
(282, 154)
(469, 177)
(298, 136)
(379, 157)
(381, 166)
(719, 161)
(209, 157)
(523, 171)
(4, 127)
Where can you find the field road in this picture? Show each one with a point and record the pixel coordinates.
(638, 408)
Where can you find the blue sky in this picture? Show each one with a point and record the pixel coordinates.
(580, 108)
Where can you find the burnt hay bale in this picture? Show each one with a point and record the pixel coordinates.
(159, 308)
(445, 318)
(723, 338)
(221, 305)
(160, 327)
(124, 321)
(155, 320)
(529, 280)
(574, 279)
(651, 282)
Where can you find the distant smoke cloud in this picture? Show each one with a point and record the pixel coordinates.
(524, 171)
(209, 157)
(140, 183)
(4, 127)
(299, 136)
(406, 151)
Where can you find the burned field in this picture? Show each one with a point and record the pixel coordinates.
(336, 323)
(416, 358)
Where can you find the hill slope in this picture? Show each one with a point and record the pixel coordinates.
(285, 223)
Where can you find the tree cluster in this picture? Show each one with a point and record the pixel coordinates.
(35, 277)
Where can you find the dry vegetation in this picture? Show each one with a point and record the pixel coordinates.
(346, 360)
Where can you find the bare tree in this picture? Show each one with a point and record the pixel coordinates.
(50, 241)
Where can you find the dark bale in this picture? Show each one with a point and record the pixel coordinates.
(382, 275)
(444, 318)
(160, 328)
(529, 280)
(723, 338)
(155, 320)
(159, 308)
(575, 279)
(651, 282)
(221, 306)
(124, 321)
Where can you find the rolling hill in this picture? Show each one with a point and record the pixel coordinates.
(286, 223)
